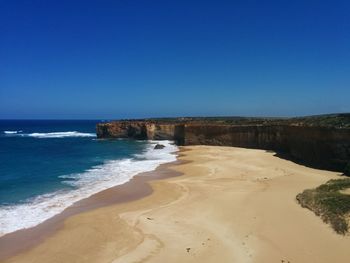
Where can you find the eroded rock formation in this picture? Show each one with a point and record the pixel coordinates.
(321, 146)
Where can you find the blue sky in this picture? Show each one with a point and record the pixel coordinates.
(133, 59)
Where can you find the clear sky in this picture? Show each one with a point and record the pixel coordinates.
(129, 58)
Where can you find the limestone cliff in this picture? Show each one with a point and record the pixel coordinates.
(321, 147)
(324, 146)
(142, 130)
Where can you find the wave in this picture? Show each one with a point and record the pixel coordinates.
(94, 180)
(11, 132)
(61, 134)
(43, 135)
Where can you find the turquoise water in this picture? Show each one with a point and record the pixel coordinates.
(45, 166)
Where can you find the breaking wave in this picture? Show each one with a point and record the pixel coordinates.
(11, 132)
(115, 172)
(43, 135)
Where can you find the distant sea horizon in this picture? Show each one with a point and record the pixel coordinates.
(47, 165)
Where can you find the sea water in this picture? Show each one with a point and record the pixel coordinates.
(46, 166)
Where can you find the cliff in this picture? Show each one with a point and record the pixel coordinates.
(318, 141)
(142, 130)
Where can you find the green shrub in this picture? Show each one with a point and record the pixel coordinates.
(329, 203)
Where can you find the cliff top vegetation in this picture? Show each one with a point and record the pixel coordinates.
(340, 120)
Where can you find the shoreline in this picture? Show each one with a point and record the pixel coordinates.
(229, 205)
(138, 187)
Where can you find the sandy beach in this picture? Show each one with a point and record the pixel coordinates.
(229, 205)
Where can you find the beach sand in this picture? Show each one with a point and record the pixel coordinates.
(230, 205)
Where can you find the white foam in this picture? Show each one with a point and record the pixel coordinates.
(94, 180)
(11, 132)
(42, 135)
(58, 134)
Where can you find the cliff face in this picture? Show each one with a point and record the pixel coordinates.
(142, 130)
(323, 147)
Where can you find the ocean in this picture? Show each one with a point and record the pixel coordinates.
(47, 165)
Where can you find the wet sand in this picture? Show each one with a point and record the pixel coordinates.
(229, 205)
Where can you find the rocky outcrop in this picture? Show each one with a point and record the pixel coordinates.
(159, 146)
(323, 147)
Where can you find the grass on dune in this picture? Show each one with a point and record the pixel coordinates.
(328, 202)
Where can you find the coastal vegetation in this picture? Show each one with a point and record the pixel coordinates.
(337, 120)
(330, 201)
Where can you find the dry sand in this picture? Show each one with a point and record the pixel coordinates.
(231, 205)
